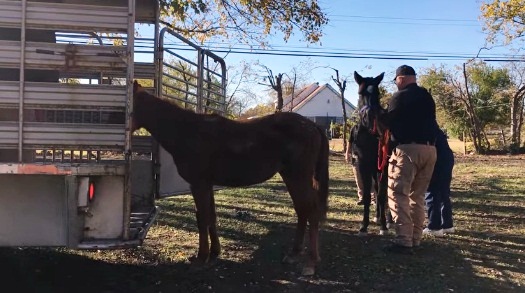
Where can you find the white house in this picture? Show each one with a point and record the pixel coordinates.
(319, 103)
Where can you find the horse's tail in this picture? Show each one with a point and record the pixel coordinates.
(322, 175)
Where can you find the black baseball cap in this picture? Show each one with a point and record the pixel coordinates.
(404, 70)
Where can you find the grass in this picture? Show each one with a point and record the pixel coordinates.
(256, 225)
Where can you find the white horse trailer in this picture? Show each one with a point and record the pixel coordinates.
(71, 172)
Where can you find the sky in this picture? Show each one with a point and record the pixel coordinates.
(435, 32)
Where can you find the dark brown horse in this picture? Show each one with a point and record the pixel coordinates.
(371, 154)
(210, 150)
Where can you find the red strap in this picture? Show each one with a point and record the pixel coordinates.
(383, 150)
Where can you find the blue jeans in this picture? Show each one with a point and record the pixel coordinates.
(437, 198)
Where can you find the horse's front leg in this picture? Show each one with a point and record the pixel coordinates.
(202, 200)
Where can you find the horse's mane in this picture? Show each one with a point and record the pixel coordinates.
(166, 108)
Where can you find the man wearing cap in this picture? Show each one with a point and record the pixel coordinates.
(411, 117)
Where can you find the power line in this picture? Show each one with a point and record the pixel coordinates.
(355, 55)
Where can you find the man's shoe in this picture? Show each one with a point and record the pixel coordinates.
(435, 233)
(449, 230)
(398, 248)
(360, 202)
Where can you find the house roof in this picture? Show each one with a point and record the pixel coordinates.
(304, 95)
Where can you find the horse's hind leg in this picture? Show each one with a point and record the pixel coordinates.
(381, 202)
(215, 247)
(202, 196)
(297, 247)
(367, 181)
(302, 193)
(313, 232)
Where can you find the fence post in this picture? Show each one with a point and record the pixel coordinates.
(464, 144)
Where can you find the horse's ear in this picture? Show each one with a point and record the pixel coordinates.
(379, 78)
(358, 78)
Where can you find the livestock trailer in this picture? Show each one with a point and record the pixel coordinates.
(72, 174)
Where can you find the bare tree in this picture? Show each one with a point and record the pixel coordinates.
(275, 82)
(341, 84)
(517, 71)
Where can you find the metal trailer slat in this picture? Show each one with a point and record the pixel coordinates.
(86, 135)
(9, 53)
(64, 95)
(142, 143)
(10, 13)
(8, 134)
(62, 16)
(100, 96)
(67, 57)
(142, 71)
(10, 93)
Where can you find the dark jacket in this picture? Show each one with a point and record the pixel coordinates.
(411, 116)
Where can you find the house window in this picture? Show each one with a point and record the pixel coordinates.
(328, 101)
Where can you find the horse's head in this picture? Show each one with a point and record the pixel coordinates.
(368, 104)
(137, 90)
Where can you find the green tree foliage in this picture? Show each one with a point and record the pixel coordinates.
(471, 102)
(505, 18)
(259, 110)
(489, 89)
(246, 21)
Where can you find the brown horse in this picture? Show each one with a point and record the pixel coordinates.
(210, 150)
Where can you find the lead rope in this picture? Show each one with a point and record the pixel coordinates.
(382, 157)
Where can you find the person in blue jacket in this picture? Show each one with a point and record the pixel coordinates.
(437, 198)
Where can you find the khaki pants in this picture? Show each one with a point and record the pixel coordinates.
(409, 173)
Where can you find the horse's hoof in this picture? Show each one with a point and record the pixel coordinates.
(214, 255)
(362, 233)
(383, 232)
(196, 266)
(308, 271)
(289, 260)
